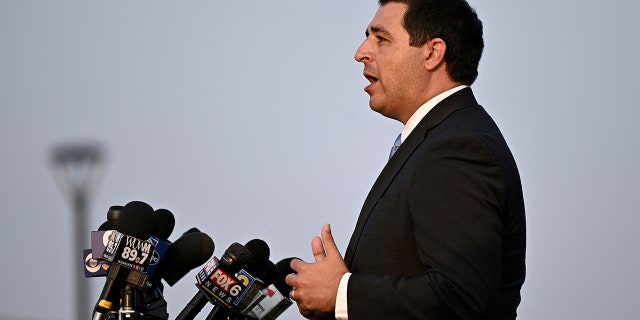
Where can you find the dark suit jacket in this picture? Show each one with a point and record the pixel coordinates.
(441, 234)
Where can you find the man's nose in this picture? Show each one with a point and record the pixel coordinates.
(363, 53)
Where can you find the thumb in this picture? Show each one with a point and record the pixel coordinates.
(329, 244)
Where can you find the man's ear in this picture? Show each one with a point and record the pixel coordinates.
(436, 48)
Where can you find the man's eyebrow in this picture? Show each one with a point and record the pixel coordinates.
(378, 30)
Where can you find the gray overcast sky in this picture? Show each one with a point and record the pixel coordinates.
(248, 119)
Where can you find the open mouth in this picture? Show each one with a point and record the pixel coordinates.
(372, 80)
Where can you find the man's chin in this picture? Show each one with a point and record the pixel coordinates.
(383, 110)
(377, 107)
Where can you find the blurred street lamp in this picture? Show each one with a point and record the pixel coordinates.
(77, 169)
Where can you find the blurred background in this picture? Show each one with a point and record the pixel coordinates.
(248, 119)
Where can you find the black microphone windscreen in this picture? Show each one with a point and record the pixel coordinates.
(137, 220)
(189, 251)
(107, 225)
(235, 258)
(165, 221)
(194, 229)
(268, 273)
(259, 265)
(259, 250)
(114, 213)
(284, 268)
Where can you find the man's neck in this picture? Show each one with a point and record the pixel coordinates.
(430, 93)
(422, 111)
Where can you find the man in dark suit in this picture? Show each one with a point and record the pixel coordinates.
(441, 234)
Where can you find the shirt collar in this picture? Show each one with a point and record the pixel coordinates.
(417, 116)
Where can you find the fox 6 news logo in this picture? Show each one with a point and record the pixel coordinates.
(226, 283)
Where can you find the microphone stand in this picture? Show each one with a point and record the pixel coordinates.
(217, 313)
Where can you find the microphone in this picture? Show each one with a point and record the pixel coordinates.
(191, 250)
(150, 300)
(113, 215)
(284, 268)
(95, 266)
(260, 266)
(215, 281)
(107, 225)
(259, 250)
(194, 229)
(135, 222)
(165, 222)
(137, 219)
(130, 245)
(256, 275)
(276, 299)
(265, 276)
(271, 306)
(114, 212)
(258, 263)
(249, 294)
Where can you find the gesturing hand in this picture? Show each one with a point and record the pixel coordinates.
(315, 285)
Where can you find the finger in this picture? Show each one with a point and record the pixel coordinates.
(291, 279)
(329, 244)
(292, 295)
(318, 249)
(295, 264)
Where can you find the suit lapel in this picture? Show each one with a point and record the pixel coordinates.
(456, 101)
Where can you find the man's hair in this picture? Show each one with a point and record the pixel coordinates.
(453, 21)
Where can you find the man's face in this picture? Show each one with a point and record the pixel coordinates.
(395, 69)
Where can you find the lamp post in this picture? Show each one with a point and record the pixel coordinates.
(77, 169)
